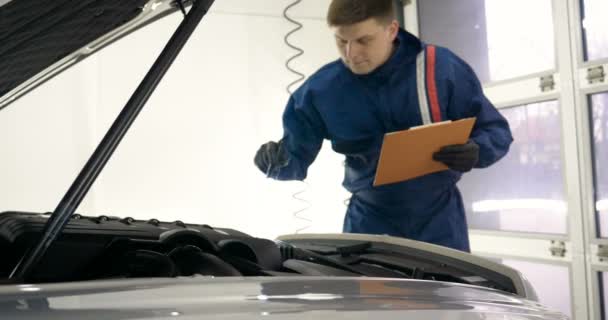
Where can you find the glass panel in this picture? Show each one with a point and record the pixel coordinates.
(599, 114)
(595, 29)
(484, 33)
(524, 191)
(551, 282)
(604, 294)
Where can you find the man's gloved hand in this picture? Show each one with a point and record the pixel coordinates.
(459, 157)
(271, 155)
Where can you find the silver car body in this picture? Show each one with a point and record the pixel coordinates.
(261, 298)
(284, 297)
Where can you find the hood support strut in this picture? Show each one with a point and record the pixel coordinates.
(80, 187)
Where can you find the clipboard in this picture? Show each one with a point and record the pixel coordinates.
(408, 154)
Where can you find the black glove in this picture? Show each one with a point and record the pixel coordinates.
(459, 157)
(271, 155)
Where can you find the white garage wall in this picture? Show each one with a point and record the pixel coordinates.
(44, 141)
(189, 156)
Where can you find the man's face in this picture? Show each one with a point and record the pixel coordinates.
(366, 45)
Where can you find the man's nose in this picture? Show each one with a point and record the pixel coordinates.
(351, 50)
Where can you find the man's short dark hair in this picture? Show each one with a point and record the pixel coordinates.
(347, 12)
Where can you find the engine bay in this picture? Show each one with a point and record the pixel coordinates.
(104, 247)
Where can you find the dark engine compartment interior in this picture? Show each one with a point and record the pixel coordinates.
(92, 248)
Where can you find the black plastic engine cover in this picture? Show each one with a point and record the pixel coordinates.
(86, 241)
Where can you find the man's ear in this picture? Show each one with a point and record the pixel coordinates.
(393, 29)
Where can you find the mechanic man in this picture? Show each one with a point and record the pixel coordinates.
(374, 89)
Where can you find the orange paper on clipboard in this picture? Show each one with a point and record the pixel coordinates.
(409, 154)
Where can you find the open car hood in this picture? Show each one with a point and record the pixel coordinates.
(41, 38)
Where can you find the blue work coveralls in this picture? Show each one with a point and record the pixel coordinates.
(355, 111)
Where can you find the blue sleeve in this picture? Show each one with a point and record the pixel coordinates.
(491, 131)
(303, 135)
